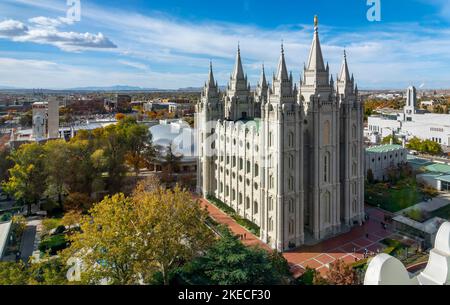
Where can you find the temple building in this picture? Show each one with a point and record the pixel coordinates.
(288, 157)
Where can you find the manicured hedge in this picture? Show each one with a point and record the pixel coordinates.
(53, 244)
(232, 213)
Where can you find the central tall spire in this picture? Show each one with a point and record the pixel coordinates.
(238, 72)
(315, 61)
(211, 81)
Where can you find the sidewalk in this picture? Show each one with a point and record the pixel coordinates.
(30, 239)
(348, 246)
(237, 229)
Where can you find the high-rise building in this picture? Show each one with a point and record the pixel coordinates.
(46, 119)
(53, 118)
(288, 158)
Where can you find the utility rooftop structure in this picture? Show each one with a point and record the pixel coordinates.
(287, 157)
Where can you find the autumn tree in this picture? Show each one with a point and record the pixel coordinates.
(105, 243)
(137, 139)
(128, 240)
(27, 177)
(48, 271)
(174, 228)
(341, 273)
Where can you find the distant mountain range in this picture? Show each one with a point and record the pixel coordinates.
(112, 88)
(117, 88)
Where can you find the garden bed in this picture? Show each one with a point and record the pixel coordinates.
(232, 213)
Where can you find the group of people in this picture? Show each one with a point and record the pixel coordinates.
(242, 236)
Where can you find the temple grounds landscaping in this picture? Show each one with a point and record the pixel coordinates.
(395, 197)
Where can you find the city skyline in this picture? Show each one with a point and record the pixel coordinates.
(169, 46)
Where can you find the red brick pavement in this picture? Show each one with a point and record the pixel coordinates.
(320, 255)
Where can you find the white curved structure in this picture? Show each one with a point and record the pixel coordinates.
(387, 270)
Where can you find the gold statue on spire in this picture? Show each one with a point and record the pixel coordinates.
(316, 21)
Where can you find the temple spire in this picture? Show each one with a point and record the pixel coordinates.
(211, 82)
(263, 81)
(315, 61)
(282, 73)
(344, 75)
(238, 72)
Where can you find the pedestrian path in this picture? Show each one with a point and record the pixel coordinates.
(238, 230)
(30, 239)
(349, 247)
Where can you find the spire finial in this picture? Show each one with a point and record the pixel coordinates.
(282, 46)
(239, 47)
(316, 22)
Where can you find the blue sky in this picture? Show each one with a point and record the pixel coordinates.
(168, 44)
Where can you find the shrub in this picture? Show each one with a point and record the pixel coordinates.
(53, 244)
(416, 215)
(5, 217)
(232, 213)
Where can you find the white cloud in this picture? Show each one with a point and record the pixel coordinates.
(134, 64)
(393, 55)
(43, 30)
(47, 22)
(12, 28)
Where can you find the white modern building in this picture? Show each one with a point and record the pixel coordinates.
(288, 158)
(380, 158)
(411, 122)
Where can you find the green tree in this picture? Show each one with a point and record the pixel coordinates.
(229, 262)
(56, 165)
(84, 167)
(12, 273)
(414, 144)
(5, 164)
(48, 271)
(387, 140)
(113, 143)
(27, 177)
(137, 139)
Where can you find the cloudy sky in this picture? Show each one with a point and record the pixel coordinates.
(168, 44)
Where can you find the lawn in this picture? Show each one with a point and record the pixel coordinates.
(394, 198)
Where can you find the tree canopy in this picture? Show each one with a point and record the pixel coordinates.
(126, 240)
(229, 262)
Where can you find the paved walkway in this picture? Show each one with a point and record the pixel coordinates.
(30, 239)
(237, 229)
(349, 246)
